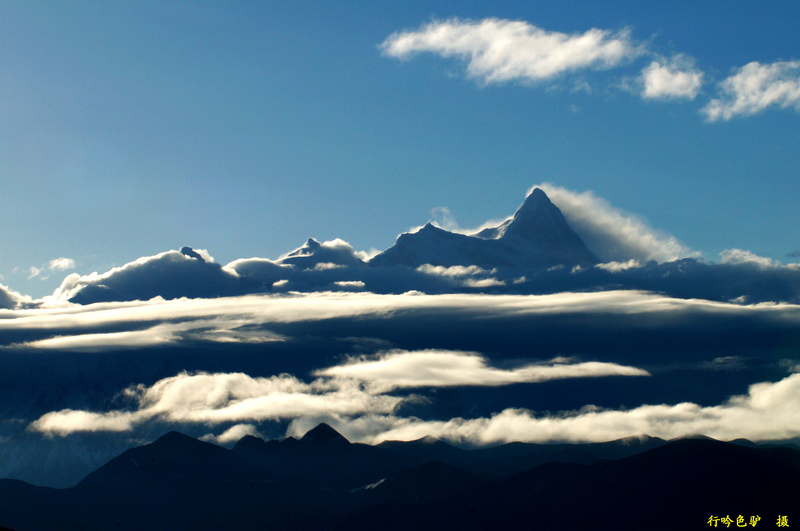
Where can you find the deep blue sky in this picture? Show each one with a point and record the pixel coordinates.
(243, 128)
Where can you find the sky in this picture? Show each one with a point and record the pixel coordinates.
(131, 128)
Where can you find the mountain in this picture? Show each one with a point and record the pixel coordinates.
(537, 236)
(683, 484)
(174, 455)
(322, 481)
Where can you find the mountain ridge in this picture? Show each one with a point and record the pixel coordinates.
(197, 487)
(538, 235)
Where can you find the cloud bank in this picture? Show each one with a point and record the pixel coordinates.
(498, 51)
(214, 399)
(769, 411)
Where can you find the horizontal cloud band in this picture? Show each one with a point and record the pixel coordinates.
(356, 388)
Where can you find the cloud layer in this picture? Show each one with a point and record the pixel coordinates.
(223, 398)
(769, 411)
(433, 368)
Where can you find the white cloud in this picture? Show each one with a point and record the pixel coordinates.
(350, 284)
(616, 267)
(452, 271)
(739, 257)
(671, 79)
(356, 388)
(221, 330)
(34, 272)
(614, 235)
(482, 282)
(461, 275)
(754, 87)
(233, 434)
(443, 368)
(69, 421)
(11, 299)
(61, 264)
(769, 411)
(227, 314)
(169, 274)
(442, 218)
(220, 398)
(499, 50)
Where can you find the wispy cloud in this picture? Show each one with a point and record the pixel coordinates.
(769, 411)
(358, 387)
(219, 398)
(740, 257)
(616, 236)
(224, 329)
(251, 314)
(436, 368)
(755, 87)
(233, 434)
(675, 78)
(498, 51)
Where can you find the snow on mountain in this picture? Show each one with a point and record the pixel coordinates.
(537, 236)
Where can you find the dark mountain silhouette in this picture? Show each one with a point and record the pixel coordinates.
(537, 236)
(175, 455)
(680, 485)
(181, 483)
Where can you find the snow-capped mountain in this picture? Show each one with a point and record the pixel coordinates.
(537, 236)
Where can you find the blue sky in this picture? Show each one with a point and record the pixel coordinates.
(131, 128)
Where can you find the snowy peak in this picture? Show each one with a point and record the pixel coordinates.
(538, 235)
(536, 215)
(539, 222)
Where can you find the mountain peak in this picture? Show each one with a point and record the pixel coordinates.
(537, 216)
(191, 253)
(537, 235)
(323, 434)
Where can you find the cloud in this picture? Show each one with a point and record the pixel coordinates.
(358, 387)
(218, 398)
(228, 314)
(614, 235)
(769, 411)
(10, 299)
(453, 271)
(441, 368)
(671, 79)
(755, 87)
(742, 257)
(172, 274)
(498, 51)
(312, 253)
(233, 434)
(34, 272)
(615, 267)
(225, 329)
(61, 264)
(442, 218)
